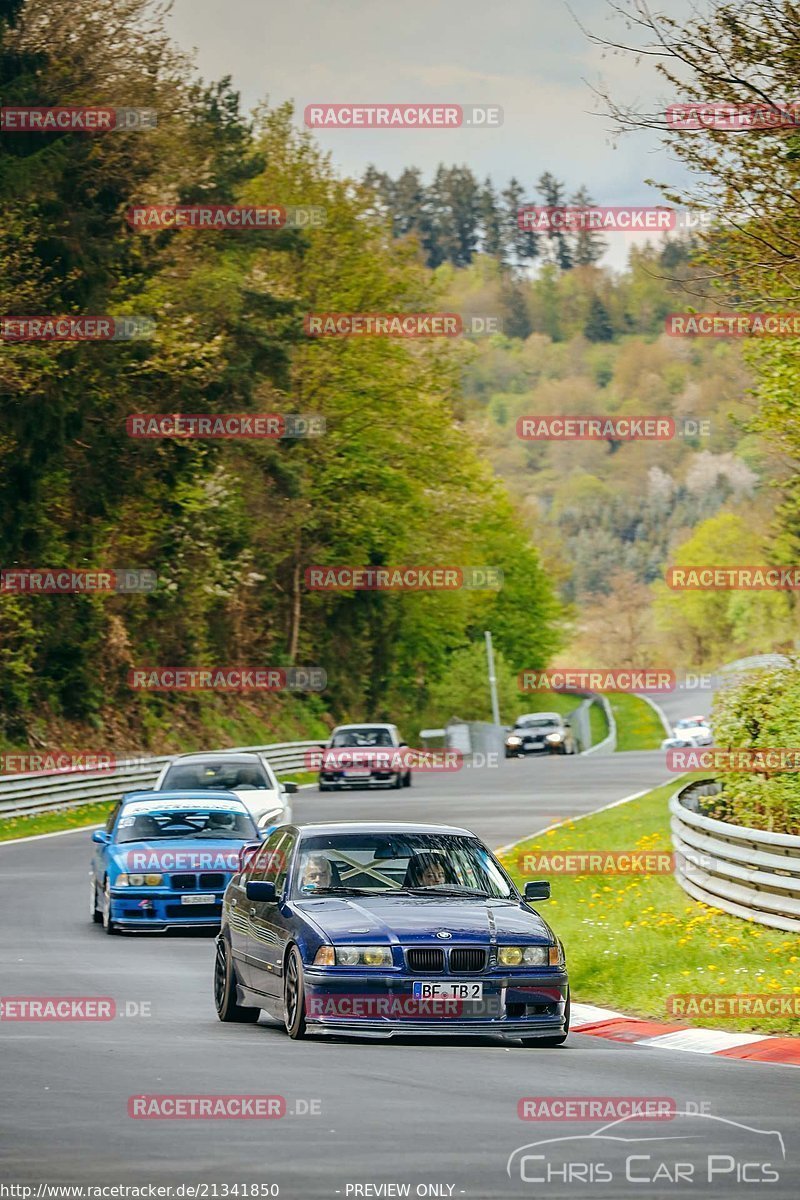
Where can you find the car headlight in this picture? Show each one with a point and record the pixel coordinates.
(554, 737)
(513, 740)
(529, 956)
(139, 880)
(363, 956)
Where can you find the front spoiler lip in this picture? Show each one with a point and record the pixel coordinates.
(155, 926)
(507, 1030)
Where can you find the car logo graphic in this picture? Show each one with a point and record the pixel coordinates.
(444, 934)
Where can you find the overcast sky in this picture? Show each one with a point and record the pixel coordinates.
(528, 56)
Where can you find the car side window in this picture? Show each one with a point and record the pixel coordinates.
(268, 860)
(112, 816)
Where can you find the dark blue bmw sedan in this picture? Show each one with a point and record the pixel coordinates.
(380, 929)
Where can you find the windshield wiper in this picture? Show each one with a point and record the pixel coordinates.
(435, 890)
(340, 890)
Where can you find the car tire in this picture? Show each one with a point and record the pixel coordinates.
(294, 1000)
(108, 924)
(96, 915)
(225, 989)
(398, 783)
(407, 780)
(323, 787)
(552, 1042)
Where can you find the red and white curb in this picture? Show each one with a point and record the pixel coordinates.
(604, 1022)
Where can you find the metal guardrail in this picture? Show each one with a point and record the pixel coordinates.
(609, 742)
(749, 873)
(25, 795)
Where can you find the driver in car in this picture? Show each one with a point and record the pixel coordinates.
(425, 870)
(316, 873)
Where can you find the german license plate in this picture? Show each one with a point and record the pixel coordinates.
(199, 899)
(358, 773)
(436, 989)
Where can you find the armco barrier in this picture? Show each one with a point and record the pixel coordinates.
(749, 873)
(22, 795)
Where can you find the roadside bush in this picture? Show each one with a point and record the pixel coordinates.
(762, 710)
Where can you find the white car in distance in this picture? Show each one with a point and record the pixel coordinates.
(245, 773)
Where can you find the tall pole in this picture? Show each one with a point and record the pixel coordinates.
(492, 678)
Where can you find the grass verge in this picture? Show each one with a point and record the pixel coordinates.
(638, 726)
(634, 940)
(54, 821)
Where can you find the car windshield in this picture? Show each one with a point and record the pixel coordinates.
(154, 824)
(216, 776)
(537, 722)
(364, 738)
(398, 863)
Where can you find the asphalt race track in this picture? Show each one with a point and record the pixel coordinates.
(358, 1113)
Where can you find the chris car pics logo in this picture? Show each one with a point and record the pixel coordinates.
(697, 1150)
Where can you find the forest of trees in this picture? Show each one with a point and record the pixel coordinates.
(456, 216)
(420, 462)
(228, 527)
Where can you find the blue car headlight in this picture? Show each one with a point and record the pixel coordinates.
(529, 956)
(138, 880)
(353, 956)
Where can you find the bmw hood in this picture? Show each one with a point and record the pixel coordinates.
(418, 918)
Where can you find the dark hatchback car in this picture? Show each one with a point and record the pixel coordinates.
(382, 929)
(540, 733)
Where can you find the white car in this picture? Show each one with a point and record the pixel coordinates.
(695, 728)
(248, 775)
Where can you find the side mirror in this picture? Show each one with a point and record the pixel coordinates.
(247, 853)
(404, 744)
(538, 890)
(100, 836)
(289, 788)
(260, 890)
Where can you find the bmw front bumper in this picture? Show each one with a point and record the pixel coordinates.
(158, 909)
(383, 1004)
